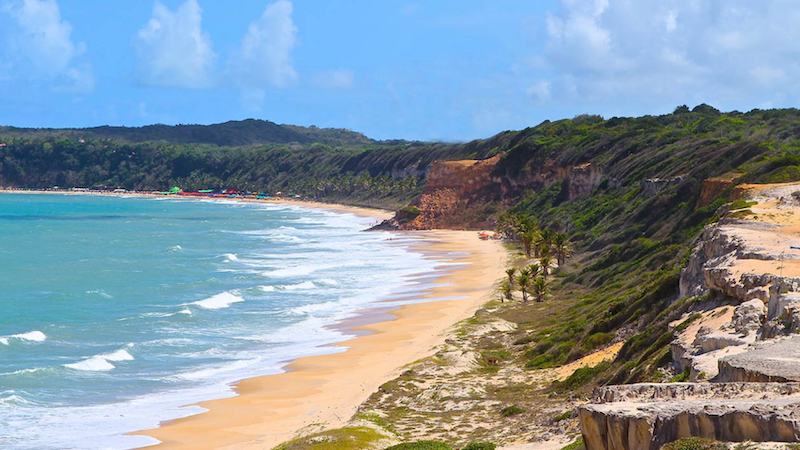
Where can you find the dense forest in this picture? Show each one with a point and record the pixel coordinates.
(363, 171)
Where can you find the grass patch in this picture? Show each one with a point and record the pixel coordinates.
(421, 445)
(563, 416)
(681, 377)
(480, 446)
(339, 439)
(512, 410)
(695, 443)
(577, 445)
(584, 375)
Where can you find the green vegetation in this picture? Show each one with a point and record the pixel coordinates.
(512, 410)
(577, 445)
(339, 439)
(563, 416)
(584, 374)
(681, 377)
(421, 445)
(695, 443)
(480, 446)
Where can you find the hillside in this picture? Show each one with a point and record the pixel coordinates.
(248, 132)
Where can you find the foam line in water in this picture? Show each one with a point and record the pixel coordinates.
(300, 286)
(230, 257)
(218, 301)
(101, 363)
(32, 336)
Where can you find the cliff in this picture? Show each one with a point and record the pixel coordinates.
(460, 194)
(749, 275)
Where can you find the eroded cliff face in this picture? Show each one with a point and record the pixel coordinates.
(647, 416)
(713, 187)
(578, 180)
(739, 345)
(456, 192)
(453, 191)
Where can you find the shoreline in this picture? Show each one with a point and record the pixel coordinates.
(326, 390)
(360, 211)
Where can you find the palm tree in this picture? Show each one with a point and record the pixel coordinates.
(546, 261)
(544, 242)
(540, 289)
(562, 248)
(534, 269)
(510, 272)
(523, 281)
(527, 239)
(506, 292)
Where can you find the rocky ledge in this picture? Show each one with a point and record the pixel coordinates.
(777, 361)
(647, 416)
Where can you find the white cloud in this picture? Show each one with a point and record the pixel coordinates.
(334, 79)
(264, 58)
(540, 91)
(173, 50)
(671, 51)
(45, 41)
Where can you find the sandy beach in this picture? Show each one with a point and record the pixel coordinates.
(327, 389)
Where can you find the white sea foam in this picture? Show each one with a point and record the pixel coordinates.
(218, 301)
(175, 248)
(100, 292)
(119, 355)
(230, 257)
(267, 288)
(295, 271)
(300, 286)
(101, 363)
(186, 311)
(32, 336)
(307, 269)
(94, 364)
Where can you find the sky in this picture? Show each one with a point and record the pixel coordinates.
(451, 70)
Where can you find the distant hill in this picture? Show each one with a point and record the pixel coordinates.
(250, 132)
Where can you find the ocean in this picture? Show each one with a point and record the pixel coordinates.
(116, 311)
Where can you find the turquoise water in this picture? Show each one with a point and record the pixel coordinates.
(116, 311)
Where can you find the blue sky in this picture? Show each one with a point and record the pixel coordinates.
(445, 70)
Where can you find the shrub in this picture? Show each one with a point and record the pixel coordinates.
(577, 445)
(681, 377)
(583, 375)
(480, 446)
(563, 416)
(695, 443)
(512, 410)
(421, 445)
(411, 210)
